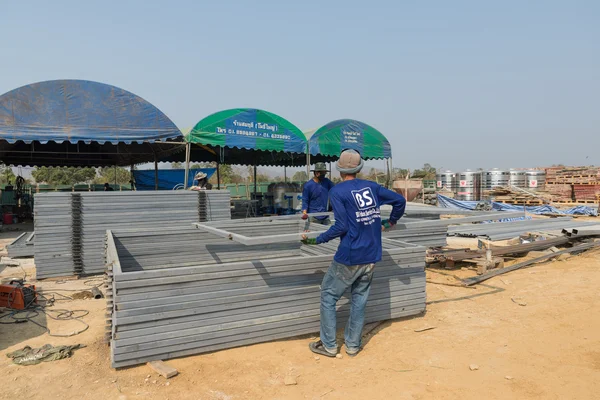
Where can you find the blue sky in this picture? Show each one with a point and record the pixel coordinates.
(458, 84)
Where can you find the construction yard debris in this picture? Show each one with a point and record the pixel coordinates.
(22, 246)
(524, 264)
(46, 353)
(163, 369)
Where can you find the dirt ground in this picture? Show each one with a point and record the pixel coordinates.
(533, 334)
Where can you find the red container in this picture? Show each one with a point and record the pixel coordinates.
(7, 219)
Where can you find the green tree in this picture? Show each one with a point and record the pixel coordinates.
(227, 173)
(63, 175)
(399, 173)
(177, 165)
(427, 172)
(6, 174)
(300, 176)
(107, 175)
(263, 178)
(201, 165)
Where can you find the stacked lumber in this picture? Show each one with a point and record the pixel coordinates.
(508, 195)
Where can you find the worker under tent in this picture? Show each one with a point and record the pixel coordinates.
(252, 137)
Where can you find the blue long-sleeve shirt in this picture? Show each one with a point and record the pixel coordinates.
(315, 196)
(356, 206)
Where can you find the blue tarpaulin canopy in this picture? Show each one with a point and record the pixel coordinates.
(168, 179)
(448, 202)
(76, 110)
(82, 123)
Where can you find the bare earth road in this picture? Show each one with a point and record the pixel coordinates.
(546, 348)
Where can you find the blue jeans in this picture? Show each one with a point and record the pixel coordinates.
(338, 278)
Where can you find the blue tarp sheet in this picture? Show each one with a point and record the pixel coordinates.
(168, 179)
(447, 202)
(76, 110)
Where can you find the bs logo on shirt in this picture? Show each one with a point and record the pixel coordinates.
(364, 198)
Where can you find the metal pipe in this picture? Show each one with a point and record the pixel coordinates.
(96, 293)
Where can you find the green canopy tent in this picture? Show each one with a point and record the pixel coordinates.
(327, 142)
(249, 136)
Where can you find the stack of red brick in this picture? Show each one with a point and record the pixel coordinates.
(586, 192)
(576, 184)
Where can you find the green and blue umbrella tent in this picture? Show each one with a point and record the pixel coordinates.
(330, 140)
(259, 133)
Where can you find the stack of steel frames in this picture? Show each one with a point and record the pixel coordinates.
(21, 246)
(428, 236)
(214, 205)
(83, 230)
(512, 229)
(53, 230)
(204, 293)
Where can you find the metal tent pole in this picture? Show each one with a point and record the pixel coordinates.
(188, 149)
(218, 175)
(132, 178)
(307, 161)
(255, 179)
(155, 172)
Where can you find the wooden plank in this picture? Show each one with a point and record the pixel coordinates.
(524, 264)
(163, 369)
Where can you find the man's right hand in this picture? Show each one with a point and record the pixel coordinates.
(307, 240)
(304, 215)
(386, 224)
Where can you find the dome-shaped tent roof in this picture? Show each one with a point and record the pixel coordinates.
(251, 136)
(329, 140)
(78, 110)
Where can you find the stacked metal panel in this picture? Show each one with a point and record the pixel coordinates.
(512, 229)
(53, 229)
(428, 236)
(214, 205)
(21, 246)
(85, 218)
(102, 211)
(205, 297)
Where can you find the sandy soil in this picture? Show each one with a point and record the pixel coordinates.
(548, 348)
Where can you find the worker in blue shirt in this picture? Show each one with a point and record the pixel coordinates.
(315, 195)
(356, 206)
